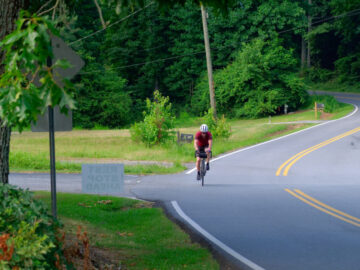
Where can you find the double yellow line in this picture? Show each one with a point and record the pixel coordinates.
(291, 161)
(324, 207)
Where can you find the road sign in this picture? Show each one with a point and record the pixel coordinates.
(63, 123)
(61, 51)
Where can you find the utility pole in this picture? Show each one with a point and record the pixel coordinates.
(309, 30)
(208, 59)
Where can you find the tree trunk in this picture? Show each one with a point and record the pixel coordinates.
(9, 10)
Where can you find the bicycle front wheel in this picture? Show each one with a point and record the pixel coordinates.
(202, 171)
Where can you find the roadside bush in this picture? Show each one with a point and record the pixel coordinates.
(331, 104)
(218, 127)
(260, 80)
(28, 233)
(158, 121)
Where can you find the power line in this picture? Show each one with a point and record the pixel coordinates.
(349, 13)
(144, 63)
(147, 49)
(112, 24)
(355, 11)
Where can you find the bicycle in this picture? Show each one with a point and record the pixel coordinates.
(203, 157)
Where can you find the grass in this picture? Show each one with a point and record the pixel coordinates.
(30, 151)
(141, 235)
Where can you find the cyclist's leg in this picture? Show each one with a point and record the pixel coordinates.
(208, 153)
(198, 160)
(198, 163)
(201, 149)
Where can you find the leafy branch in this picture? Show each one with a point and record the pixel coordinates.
(28, 85)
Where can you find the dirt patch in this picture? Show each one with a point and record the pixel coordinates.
(78, 246)
(326, 116)
(90, 257)
(288, 128)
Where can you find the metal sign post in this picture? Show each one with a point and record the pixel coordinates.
(59, 122)
(52, 162)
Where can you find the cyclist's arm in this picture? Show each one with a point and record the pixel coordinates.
(196, 145)
(210, 144)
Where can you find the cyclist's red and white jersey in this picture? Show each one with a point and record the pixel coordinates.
(203, 140)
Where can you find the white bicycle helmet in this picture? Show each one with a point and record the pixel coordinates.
(204, 128)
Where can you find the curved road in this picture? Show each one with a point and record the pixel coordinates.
(291, 203)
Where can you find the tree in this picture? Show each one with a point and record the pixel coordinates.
(9, 10)
(257, 83)
(29, 86)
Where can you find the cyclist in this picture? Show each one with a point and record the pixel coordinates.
(202, 143)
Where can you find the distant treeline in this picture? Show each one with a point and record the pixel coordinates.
(258, 49)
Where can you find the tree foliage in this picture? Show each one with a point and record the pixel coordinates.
(27, 50)
(161, 47)
(257, 83)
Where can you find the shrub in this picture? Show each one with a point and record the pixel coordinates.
(218, 127)
(158, 120)
(331, 104)
(28, 232)
(260, 80)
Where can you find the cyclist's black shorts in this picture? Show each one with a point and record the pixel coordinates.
(201, 151)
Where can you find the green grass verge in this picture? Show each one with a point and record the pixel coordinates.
(27, 162)
(30, 151)
(142, 235)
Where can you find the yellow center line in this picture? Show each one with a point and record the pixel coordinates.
(326, 206)
(291, 161)
(302, 152)
(322, 209)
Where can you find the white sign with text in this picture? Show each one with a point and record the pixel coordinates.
(102, 178)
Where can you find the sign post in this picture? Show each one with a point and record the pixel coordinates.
(55, 121)
(52, 162)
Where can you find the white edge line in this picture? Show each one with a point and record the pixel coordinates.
(213, 239)
(257, 145)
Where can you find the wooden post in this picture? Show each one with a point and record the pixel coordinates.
(315, 110)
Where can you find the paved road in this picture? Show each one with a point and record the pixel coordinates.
(291, 203)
